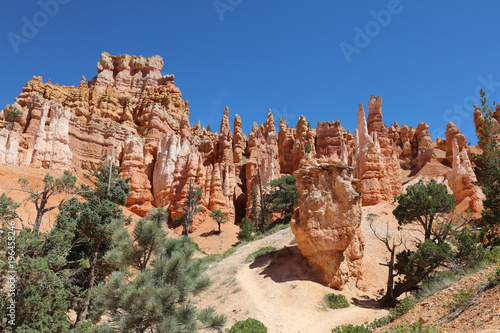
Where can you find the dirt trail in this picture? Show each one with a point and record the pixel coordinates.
(280, 290)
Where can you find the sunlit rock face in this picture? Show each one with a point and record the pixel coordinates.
(124, 111)
(327, 223)
(292, 143)
(461, 181)
(376, 162)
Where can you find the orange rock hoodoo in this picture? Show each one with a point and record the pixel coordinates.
(327, 224)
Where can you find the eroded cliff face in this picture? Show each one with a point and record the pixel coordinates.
(263, 161)
(376, 160)
(292, 144)
(461, 181)
(327, 223)
(131, 111)
(134, 113)
(334, 142)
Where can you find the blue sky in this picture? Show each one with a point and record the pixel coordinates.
(320, 59)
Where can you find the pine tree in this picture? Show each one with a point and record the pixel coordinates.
(424, 204)
(157, 299)
(489, 175)
(247, 228)
(91, 220)
(44, 293)
(13, 116)
(219, 217)
(255, 208)
(283, 197)
(307, 148)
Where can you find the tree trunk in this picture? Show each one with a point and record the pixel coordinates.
(389, 299)
(84, 308)
(39, 215)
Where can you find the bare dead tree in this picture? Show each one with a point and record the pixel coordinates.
(392, 240)
(41, 195)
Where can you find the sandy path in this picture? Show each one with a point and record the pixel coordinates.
(295, 306)
(281, 291)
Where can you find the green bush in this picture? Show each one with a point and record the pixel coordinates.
(460, 299)
(259, 253)
(492, 255)
(415, 327)
(401, 308)
(351, 329)
(247, 229)
(376, 323)
(307, 148)
(463, 296)
(13, 116)
(334, 301)
(249, 325)
(211, 258)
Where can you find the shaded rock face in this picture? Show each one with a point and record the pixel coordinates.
(327, 223)
(239, 141)
(388, 149)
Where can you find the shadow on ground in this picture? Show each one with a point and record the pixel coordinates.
(367, 303)
(210, 233)
(286, 264)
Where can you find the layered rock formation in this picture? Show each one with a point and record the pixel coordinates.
(136, 115)
(292, 144)
(452, 134)
(376, 160)
(327, 223)
(125, 110)
(9, 146)
(334, 140)
(133, 167)
(263, 161)
(424, 146)
(389, 152)
(461, 181)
